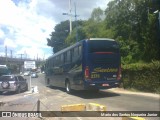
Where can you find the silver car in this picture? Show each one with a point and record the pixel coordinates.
(13, 83)
(34, 75)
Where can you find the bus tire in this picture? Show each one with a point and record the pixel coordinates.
(68, 87)
(95, 90)
(48, 82)
(18, 90)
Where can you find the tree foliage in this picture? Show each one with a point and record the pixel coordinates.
(58, 36)
(130, 22)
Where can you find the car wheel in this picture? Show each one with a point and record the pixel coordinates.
(18, 90)
(26, 89)
(5, 84)
(68, 87)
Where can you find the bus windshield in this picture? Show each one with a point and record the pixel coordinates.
(103, 46)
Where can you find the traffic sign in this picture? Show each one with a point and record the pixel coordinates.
(29, 64)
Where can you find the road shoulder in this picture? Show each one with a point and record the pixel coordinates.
(124, 91)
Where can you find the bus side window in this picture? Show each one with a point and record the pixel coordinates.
(71, 54)
(53, 59)
(65, 58)
(76, 53)
(62, 59)
(68, 56)
(52, 62)
(58, 60)
(80, 50)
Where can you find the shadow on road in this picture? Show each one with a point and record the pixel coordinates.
(10, 93)
(86, 94)
(91, 95)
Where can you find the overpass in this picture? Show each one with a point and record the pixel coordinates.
(17, 64)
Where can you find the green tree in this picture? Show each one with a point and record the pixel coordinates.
(71, 39)
(97, 15)
(57, 38)
(94, 25)
(130, 22)
(132, 28)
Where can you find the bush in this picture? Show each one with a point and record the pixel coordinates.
(143, 77)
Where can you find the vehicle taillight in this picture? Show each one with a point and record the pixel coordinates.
(104, 52)
(87, 76)
(119, 73)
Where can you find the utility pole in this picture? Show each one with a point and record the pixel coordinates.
(6, 54)
(21, 63)
(21, 55)
(70, 17)
(43, 56)
(37, 56)
(11, 53)
(70, 9)
(76, 22)
(25, 53)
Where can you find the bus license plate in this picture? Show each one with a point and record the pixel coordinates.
(105, 84)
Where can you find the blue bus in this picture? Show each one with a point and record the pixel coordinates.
(90, 64)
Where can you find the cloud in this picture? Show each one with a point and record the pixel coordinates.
(36, 52)
(9, 43)
(1, 34)
(25, 24)
(84, 8)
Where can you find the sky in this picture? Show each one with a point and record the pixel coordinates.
(26, 24)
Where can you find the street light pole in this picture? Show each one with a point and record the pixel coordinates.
(70, 9)
(6, 54)
(76, 23)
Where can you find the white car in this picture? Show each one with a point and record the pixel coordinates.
(26, 73)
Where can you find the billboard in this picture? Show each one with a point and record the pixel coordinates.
(29, 64)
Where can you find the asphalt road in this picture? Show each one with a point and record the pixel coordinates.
(52, 98)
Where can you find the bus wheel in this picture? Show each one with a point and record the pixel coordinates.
(18, 90)
(48, 82)
(95, 90)
(68, 87)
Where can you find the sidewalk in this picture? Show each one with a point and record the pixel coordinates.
(124, 91)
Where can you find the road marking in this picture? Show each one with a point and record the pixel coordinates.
(29, 94)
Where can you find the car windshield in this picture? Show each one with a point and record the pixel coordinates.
(7, 78)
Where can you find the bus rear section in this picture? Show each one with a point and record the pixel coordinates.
(102, 68)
